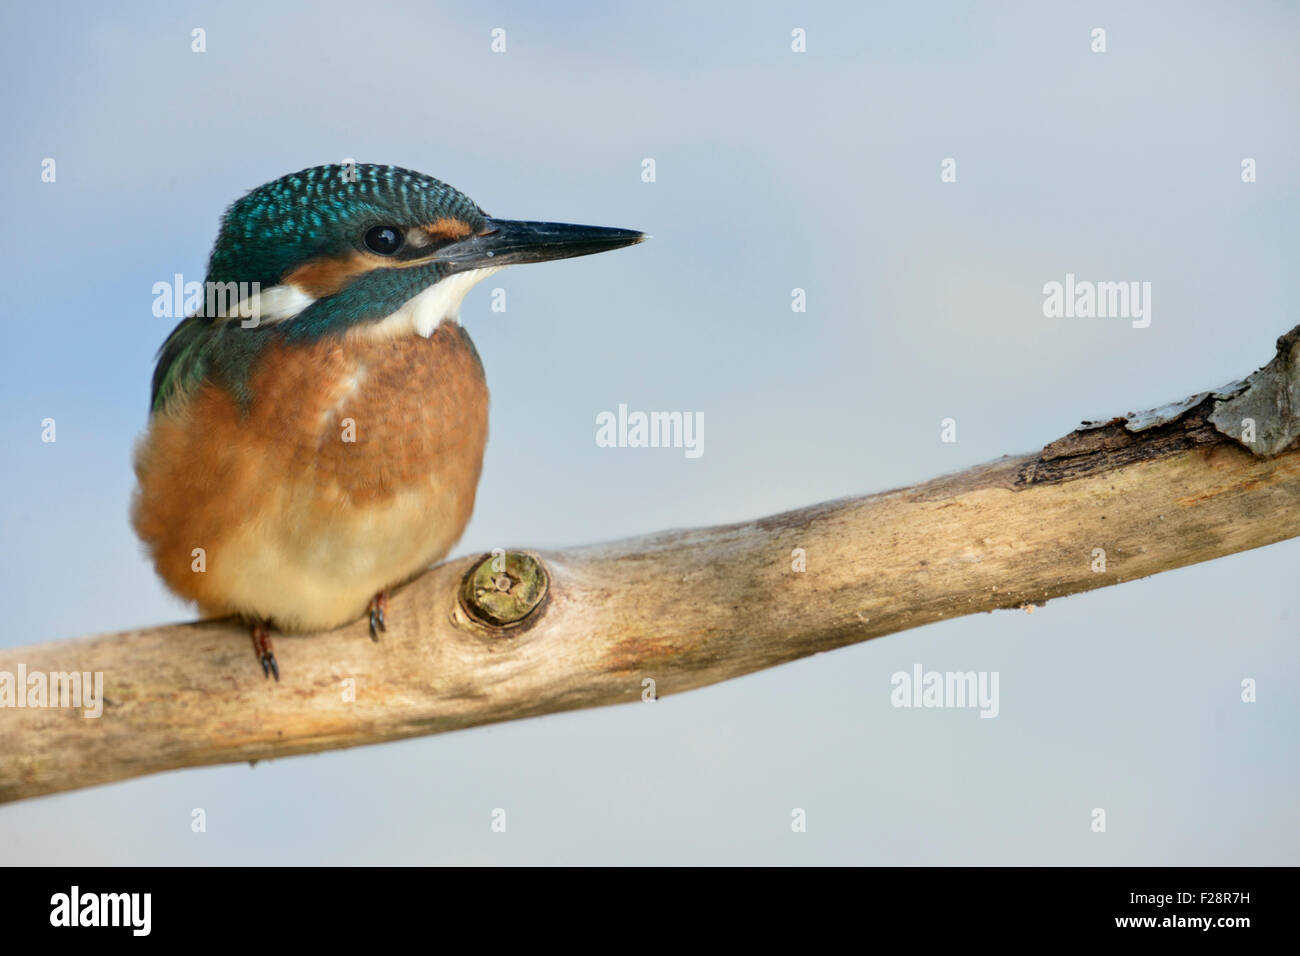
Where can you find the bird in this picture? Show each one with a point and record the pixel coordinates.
(316, 434)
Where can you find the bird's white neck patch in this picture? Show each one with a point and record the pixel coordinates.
(279, 303)
(426, 311)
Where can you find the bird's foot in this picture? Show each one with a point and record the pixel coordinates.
(262, 648)
(378, 606)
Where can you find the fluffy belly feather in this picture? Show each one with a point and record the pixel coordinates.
(353, 468)
(307, 565)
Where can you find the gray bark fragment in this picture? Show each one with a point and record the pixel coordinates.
(1270, 399)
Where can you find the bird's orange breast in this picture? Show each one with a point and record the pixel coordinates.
(353, 467)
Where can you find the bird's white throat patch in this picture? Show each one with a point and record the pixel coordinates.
(426, 311)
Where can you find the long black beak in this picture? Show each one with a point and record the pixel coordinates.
(506, 242)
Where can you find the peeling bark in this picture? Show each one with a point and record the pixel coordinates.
(1269, 400)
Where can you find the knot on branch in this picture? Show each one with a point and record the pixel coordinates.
(504, 589)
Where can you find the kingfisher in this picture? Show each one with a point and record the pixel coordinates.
(315, 438)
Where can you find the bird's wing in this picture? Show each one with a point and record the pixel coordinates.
(182, 362)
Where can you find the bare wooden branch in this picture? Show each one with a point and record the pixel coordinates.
(472, 642)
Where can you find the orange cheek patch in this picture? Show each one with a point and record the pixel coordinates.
(327, 276)
(323, 277)
(446, 228)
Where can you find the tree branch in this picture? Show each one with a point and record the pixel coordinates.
(480, 640)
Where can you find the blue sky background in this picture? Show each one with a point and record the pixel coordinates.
(775, 170)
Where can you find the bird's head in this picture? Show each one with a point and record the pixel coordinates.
(352, 248)
(337, 247)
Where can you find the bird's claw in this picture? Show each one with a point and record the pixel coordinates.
(269, 665)
(378, 605)
(262, 648)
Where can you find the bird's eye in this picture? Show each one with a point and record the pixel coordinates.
(384, 240)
